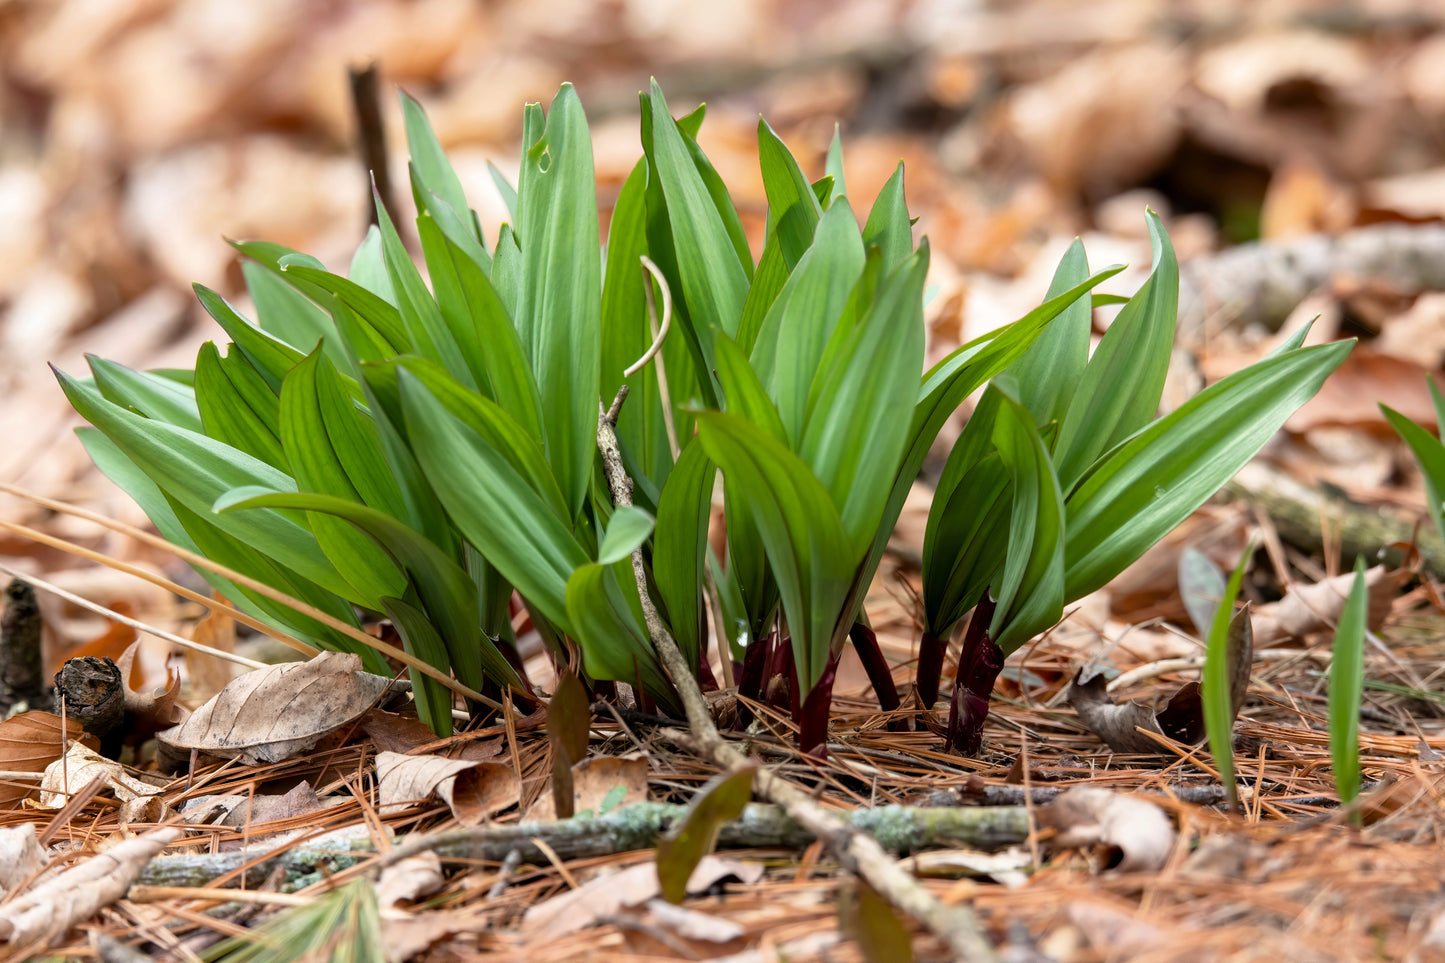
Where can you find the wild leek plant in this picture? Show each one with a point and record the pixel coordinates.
(373, 444)
(1062, 477)
(1428, 451)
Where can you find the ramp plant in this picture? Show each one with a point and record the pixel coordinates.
(421, 446)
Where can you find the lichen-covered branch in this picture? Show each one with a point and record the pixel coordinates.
(899, 829)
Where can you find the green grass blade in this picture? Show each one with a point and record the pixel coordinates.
(1217, 689)
(1347, 673)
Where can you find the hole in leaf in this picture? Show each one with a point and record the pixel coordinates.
(545, 161)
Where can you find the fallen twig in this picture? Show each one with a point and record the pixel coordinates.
(855, 850)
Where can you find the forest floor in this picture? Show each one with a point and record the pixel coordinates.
(131, 145)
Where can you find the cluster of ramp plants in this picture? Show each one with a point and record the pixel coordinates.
(419, 442)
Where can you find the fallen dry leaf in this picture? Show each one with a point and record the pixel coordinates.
(49, 910)
(206, 674)
(408, 880)
(474, 791)
(1307, 609)
(281, 711)
(20, 855)
(1136, 827)
(149, 712)
(80, 766)
(599, 784)
(28, 743)
(1353, 394)
(610, 892)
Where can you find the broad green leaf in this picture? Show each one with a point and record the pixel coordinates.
(1149, 484)
(734, 612)
(743, 392)
(430, 162)
(1048, 374)
(714, 283)
(333, 449)
(114, 464)
(419, 638)
(888, 224)
(460, 230)
(427, 331)
(287, 313)
(627, 529)
(491, 504)
(721, 800)
(196, 470)
(806, 546)
(834, 167)
(156, 397)
(499, 430)
(679, 548)
(1347, 674)
(857, 432)
(1121, 386)
(1216, 689)
(614, 643)
(446, 591)
(793, 209)
(228, 415)
(870, 921)
(482, 329)
(1430, 454)
(798, 326)
(768, 282)
(717, 190)
(626, 333)
(505, 190)
(965, 543)
(382, 317)
(558, 313)
(1030, 592)
(368, 267)
(272, 358)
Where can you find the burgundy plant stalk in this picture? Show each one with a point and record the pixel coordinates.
(978, 667)
(750, 678)
(812, 716)
(865, 642)
(931, 651)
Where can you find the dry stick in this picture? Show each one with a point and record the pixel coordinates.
(261, 588)
(855, 851)
(136, 624)
(370, 135)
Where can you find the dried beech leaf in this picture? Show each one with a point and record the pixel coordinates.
(1136, 827)
(410, 880)
(1307, 609)
(207, 674)
(149, 712)
(569, 717)
(28, 743)
(281, 711)
(80, 766)
(474, 791)
(683, 847)
(49, 910)
(1181, 719)
(599, 785)
(143, 809)
(607, 894)
(20, 855)
(395, 731)
(1116, 724)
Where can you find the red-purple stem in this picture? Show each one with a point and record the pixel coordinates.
(880, 676)
(978, 667)
(812, 716)
(931, 651)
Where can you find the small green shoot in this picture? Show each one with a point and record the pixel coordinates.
(1219, 708)
(1347, 672)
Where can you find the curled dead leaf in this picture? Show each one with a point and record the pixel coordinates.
(1307, 609)
(20, 855)
(81, 765)
(474, 791)
(148, 712)
(50, 909)
(281, 711)
(1134, 826)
